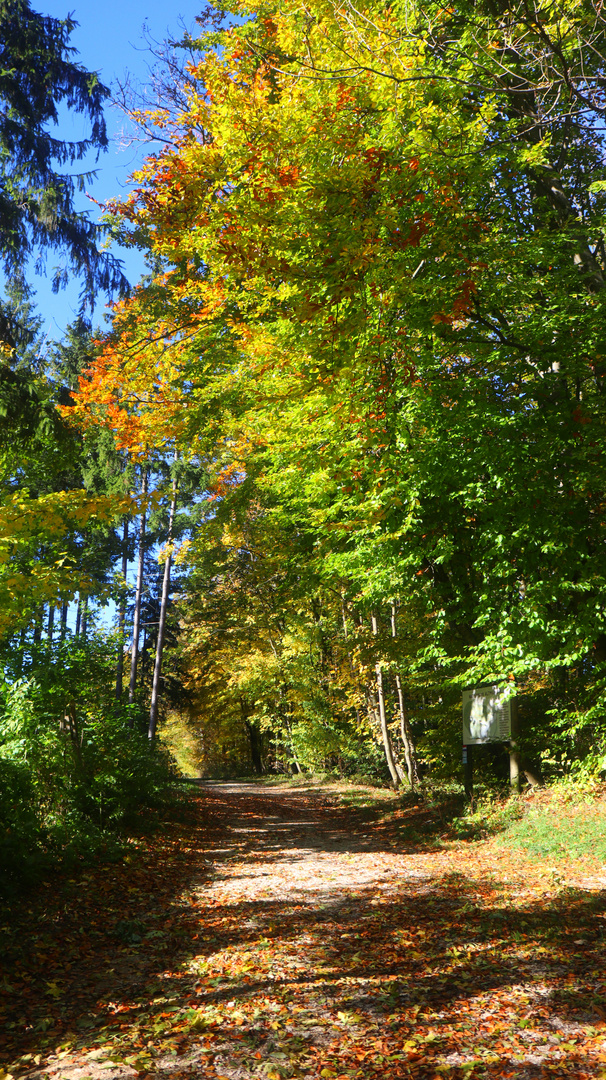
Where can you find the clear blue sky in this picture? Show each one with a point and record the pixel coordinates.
(109, 40)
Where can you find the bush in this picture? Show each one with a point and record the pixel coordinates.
(21, 834)
(75, 765)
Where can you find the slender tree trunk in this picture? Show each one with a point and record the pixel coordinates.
(78, 616)
(21, 649)
(138, 595)
(64, 609)
(410, 750)
(122, 615)
(346, 636)
(387, 743)
(71, 718)
(51, 623)
(38, 625)
(84, 617)
(254, 736)
(344, 616)
(153, 712)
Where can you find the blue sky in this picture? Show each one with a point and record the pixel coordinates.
(110, 40)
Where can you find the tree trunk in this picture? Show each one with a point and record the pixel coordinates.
(51, 623)
(122, 615)
(20, 651)
(387, 743)
(138, 593)
(410, 750)
(295, 759)
(153, 712)
(346, 635)
(38, 625)
(78, 616)
(64, 609)
(254, 737)
(84, 617)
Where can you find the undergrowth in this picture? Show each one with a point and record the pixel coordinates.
(566, 821)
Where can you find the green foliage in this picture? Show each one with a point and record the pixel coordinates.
(376, 315)
(21, 835)
(181, 743)
(487, 814)
(82, 767)
(379, 296)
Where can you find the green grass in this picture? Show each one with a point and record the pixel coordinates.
(565, 822)
(560, 832)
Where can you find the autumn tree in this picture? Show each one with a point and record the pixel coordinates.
(378, 245)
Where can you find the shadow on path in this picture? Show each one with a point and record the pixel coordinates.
(267, 933)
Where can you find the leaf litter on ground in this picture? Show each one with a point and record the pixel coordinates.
(267, 933)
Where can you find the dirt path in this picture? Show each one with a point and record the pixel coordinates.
(278, 933)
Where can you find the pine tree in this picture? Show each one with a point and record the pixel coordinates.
(38, 77)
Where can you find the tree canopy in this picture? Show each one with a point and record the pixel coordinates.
(358, 398)
(378, 310)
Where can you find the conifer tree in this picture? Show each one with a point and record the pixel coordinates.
(38, 76)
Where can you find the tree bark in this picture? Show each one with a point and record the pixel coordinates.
(51, 623)
(254, 737)
(138, 594)
(387, 743)
(122, 615)
(153, 712)
(410, 750)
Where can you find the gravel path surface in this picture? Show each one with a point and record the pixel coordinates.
(277, 932)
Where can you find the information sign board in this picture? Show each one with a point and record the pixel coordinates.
(486, 715)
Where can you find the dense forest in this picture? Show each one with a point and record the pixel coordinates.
(346, 435)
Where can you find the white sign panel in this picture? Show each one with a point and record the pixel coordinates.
(486, 715)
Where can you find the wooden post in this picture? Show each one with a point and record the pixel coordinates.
(468, 771)
(514, 753)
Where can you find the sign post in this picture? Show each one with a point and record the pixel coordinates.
(514, 753)
(468, 771)
(489, 715)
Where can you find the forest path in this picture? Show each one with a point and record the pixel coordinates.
(269, 932)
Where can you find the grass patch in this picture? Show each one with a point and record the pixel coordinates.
(565, 822)
(560, 829)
